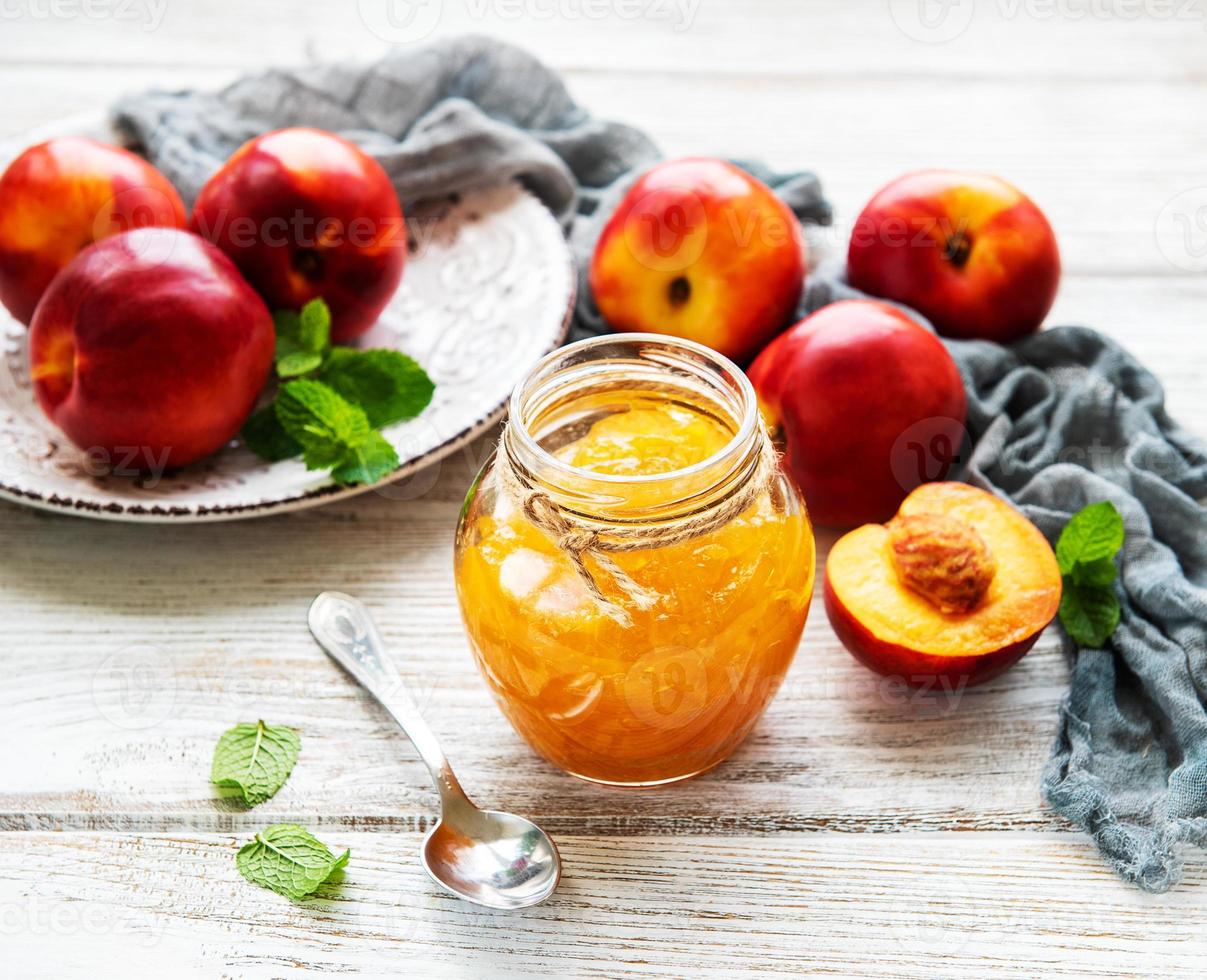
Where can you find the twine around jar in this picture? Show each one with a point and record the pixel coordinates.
(578, 538)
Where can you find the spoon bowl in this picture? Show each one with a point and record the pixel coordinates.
(486, 857)
(503, 862)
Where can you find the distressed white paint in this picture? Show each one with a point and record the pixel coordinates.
(854, 834)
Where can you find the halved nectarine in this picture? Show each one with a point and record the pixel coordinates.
(957, 586)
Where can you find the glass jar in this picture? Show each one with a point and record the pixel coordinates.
(633, 567)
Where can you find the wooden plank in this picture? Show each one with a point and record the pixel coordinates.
(887, 39)
(918, 906)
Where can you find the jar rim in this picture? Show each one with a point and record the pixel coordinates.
(743, 435)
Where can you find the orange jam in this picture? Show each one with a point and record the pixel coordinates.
(621, 693)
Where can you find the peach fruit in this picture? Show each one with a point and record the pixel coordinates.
(970, 252)
(305, 214)
(957, 587)
(700, 249)
(149, 349)
(868, 403)
(62, 195)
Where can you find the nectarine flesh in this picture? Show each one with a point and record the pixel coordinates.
(894, 613)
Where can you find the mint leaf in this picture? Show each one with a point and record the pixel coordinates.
(367, 461)
(263, 435)
(297, 363)
(315, 324)
(1089, 615)
(289, 860)
(1095, 532)
(302, 338)
(1085, 551)
(323, 423)
(1095, 574)
(255, 759)
(387, 384)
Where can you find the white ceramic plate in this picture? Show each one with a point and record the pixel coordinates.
(488, 290)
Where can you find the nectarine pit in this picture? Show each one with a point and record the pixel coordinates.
(942, 559)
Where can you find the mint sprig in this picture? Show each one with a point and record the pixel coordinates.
(387, 384)
(302, 338)
(289, 860)
(333, 400)
(1085, 552)
(255, 760)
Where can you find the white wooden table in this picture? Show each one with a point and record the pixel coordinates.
(855, 834)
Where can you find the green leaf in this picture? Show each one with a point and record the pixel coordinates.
(1094, 532)
(263, 435)
(289, 860)
(387, 384)
(324, 424)
(297, 363)
(255, 759)
(1089, 615)
(367, 462)
(1095, 574)
(315, 324)
(302, 338)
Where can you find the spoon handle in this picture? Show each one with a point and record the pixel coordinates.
(343, 627)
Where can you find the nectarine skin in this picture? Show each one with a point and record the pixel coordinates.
(60, 196)
(970, 252)
(914, 668)
(149, 350)
(858, 390)
(306, 214)
(700, 249)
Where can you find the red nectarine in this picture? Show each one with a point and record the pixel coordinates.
(305, 214)
(62, 195)
(149, 349)
(970, 252)
(869, 404)
(700, 249)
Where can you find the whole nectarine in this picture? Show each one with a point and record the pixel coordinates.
(700, 249)
(149, 350)
(306, 214)
(62, 195)
(869, 405)
(970, 252)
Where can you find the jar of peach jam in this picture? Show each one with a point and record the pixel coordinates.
(633, 567)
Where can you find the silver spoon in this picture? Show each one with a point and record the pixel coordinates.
(484, 856)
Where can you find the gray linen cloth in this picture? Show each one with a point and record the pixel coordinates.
(1058, 420)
